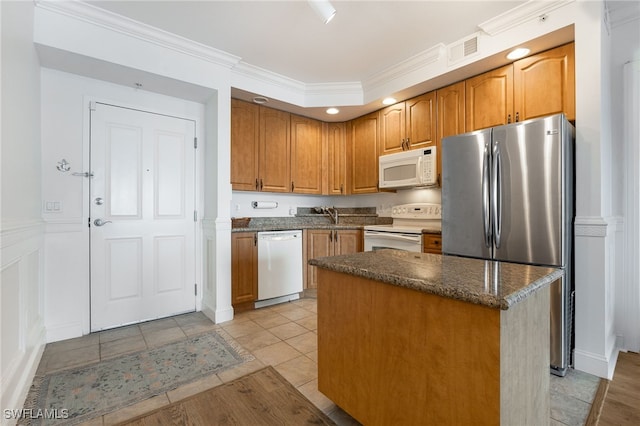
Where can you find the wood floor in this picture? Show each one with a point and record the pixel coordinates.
(622, 396)
(263, 397)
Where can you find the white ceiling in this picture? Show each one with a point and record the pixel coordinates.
(288, 38)
(287, 42)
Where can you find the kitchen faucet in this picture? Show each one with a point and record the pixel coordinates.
(332, 212)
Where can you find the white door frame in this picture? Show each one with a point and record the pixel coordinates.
(198, 118)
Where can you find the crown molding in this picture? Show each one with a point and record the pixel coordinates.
(409, 65)
(520, 14)
(252, 72)
(622, 12)
(129, 27)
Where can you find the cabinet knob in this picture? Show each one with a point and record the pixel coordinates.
(292, 187)
(517, 117)
(260, 184)
(508, 118)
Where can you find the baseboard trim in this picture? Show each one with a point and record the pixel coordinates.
(596, 364)
(217, 316)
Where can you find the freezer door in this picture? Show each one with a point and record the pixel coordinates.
(529, 190)
(466, 225)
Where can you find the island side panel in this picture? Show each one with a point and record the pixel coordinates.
(525, 331)
(391, 355)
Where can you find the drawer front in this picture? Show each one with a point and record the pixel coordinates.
(431, 243)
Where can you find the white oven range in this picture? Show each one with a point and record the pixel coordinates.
(405, 233)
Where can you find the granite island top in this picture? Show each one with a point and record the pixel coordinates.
(498, 285)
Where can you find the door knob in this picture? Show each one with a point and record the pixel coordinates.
(100, 222)
(99, 201)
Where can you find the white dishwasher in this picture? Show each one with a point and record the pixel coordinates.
(279, 267)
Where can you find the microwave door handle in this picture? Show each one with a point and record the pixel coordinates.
(419, 170)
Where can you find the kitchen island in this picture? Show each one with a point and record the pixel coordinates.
(410, 338)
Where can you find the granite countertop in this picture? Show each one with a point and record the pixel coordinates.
(497, 285)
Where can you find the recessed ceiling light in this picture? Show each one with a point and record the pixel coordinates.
(332, 111)
(389, 101)
(518, 53)
(260, 100)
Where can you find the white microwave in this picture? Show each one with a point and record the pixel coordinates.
(409, 169)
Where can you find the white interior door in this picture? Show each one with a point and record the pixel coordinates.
(141, 216)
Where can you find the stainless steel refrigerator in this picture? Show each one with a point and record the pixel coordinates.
(508, 195)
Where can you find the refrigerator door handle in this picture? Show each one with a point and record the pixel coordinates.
(496, 199)
(486, 216)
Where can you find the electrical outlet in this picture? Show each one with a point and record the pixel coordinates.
(53, 206)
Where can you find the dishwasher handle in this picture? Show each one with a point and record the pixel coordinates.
(279, 235)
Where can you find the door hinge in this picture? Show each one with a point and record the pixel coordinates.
(195, 289)
(89, 222)
(195, 143)
(195, 215)
(92, 106)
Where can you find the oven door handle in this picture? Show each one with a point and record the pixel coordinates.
(392, 236)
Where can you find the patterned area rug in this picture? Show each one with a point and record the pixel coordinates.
(76, 395)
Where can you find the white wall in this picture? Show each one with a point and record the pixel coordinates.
(65, 107)
(21, 301)
(288, 203)
(625, 47)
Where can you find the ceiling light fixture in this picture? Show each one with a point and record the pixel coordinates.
(388, 101)
(260, 100)
(332, 111)
(518, 53)
(324, 9)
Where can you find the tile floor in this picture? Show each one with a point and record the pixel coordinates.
(284, 336)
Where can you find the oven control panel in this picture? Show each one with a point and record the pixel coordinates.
(423, 211)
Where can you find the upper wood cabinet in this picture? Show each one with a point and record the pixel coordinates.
(260, 148)
(306, 155)
(489, 99)
(275, 150)
(532, 87)
(245, 128)
(545, 84)
(336, 136)
(408, 125)
(363, 153)
(450, 102)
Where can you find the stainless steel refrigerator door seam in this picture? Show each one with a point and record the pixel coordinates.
(486, 199)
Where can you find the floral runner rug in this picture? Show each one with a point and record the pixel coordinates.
(76, 395)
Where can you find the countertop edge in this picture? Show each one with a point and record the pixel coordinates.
(490, 301)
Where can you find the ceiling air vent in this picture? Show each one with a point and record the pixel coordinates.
(463, 49)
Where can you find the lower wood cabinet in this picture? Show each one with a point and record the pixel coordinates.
(432, 243)
(244, 270)
(329, 242)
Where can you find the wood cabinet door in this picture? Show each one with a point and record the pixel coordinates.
(244, 269)
(275, 151)
(245, 127)
(489, 99)
(364, 154)
(545, 84)
(392, 129)
(337, 147)
(319, 244)
(306, 155)
(421, 121)
(450, 101)
(348, 241)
